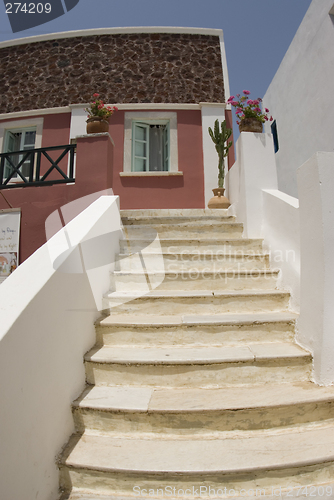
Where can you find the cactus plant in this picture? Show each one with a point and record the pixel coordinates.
(220, 139)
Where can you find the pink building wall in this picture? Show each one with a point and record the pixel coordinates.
(185, 191)
(93, 174)
(98, 167)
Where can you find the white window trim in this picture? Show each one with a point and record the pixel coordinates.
(150, 116)
(20, 124)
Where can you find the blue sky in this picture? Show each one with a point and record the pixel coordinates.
(257, 33)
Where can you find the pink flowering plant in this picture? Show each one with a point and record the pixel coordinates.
(248, 108)
(98, 108)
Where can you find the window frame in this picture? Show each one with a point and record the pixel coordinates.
(19, 125)
(23, 147)
(150, 118)
(166, 140)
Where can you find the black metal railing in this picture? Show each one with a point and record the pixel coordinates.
(23, 168)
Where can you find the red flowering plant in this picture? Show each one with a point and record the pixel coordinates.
(248, 108)
(98, 108)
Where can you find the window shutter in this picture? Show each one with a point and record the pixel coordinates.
(166, 148)
(140, 147)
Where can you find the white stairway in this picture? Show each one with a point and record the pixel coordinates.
(196, 387)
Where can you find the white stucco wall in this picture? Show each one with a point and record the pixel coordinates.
(316, 324)
(281, 232)
(265, 211)
(300, 95)
(253, 171)
(46, 326)
(298, 233)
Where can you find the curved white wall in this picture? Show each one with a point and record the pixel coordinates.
(300, 97)
(46, 326)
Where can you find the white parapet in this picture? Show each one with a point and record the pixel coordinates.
(316, 325)
(48, 307)
(282, 238)
(254, 171)
(299, 234)
(266, 212)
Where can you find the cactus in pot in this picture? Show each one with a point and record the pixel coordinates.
(220, 139)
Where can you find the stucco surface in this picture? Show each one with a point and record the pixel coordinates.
(129, 67)
(299, 97)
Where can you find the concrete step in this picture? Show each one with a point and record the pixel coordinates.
(169, 302)
(197, 366)
(206, 260)
(197, 213)
(218, 245)
(190, 230)
(174, 219)
(267, 460)
(195, 330)
(185, 412)
(259, 279)
(319, 491)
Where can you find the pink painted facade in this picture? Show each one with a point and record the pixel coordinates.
(98, 167)
(179, 191)
(95, 156)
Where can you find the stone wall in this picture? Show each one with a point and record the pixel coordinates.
(123, 68)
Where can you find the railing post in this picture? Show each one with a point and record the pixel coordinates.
(38, 166)
(31, 166)
(71, 153)
(2, 168)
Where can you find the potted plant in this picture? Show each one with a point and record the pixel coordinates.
(98, 116)
(250, 117)
(220, 138)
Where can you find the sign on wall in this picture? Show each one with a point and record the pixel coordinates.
(9, 241)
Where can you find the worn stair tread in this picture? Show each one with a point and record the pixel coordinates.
(171, 219)
(162, 400)
(183, 224)
(195, 355)
(200, 293)
(192, 319)
(180, 221)
(184, 272)
(204, 255)
(318, 491)
(299, 492)
(227, 456)
(195, 212)
(183, 239)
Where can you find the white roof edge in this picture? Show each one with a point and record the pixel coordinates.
(111, 31)
(34, 112)
(123, 106)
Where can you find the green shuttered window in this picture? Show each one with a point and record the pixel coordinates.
(150, 147)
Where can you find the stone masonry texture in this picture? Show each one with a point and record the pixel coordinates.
(122, 68)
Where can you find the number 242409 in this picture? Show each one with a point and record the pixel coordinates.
(28, 8)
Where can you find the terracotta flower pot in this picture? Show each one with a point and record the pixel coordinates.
(250, 125)
(97, 125)
(219, 200)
